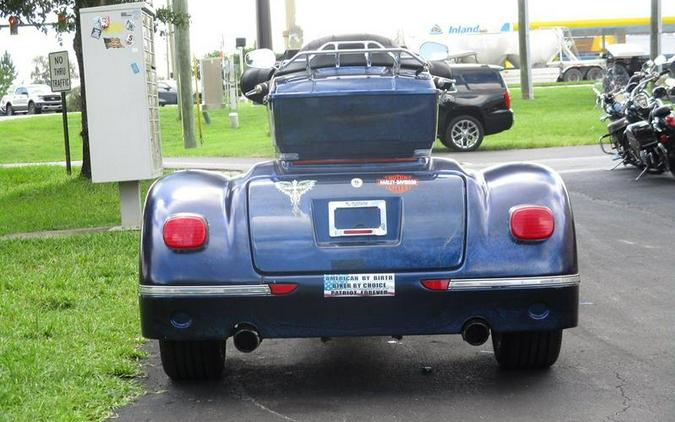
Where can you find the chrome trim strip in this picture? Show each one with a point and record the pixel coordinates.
(546, 281)
(229, 290)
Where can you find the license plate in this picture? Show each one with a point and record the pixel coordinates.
(357, 218)
(359, 285)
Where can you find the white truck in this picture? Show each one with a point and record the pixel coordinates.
(553, 52)
(31, 99)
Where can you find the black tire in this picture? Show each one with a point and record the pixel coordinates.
(594, 73)
(463, 134)
(31, 108)
(573, 75)
(192, 360)
(9, 110)
(527, 350)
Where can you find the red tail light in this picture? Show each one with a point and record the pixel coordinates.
(532, 223)
(507, 99)
(436, 284)
(185, 232)
(279, 289)
(670, 120)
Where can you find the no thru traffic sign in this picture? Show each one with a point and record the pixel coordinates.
(59, 71)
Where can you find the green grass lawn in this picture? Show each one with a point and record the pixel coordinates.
(69, 337)
(45, 198)
(557, 117)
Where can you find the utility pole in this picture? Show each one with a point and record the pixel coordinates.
(184, 74)
(290, 22)
(656, 28)
(524, 49)
(263, 24)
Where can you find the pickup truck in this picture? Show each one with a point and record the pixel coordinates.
(31, 99)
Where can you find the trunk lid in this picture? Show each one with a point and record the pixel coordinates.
(372, 222)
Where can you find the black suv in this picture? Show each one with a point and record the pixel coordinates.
(482, 105)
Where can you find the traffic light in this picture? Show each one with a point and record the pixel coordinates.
(13, 25)
(62, 21)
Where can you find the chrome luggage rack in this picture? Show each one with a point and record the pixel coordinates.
(397, 54)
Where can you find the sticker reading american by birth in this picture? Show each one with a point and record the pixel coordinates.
(359, 285)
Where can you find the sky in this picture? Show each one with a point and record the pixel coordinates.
(219, 22)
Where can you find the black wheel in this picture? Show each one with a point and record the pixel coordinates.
(9, 110)
(463, 133)
(31, 108)
(573, 75)
(527, 350)
(594, 73)
(192, 360)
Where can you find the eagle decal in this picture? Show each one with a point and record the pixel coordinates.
(294, 190)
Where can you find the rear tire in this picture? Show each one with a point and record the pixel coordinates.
(9, 110)
(527, 350)
(192, 360)
(463, 134)
(573, 75)
(595, 73)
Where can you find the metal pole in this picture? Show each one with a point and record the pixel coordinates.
(66, 137)
(184, 68)
(130, 204)
(263, 24)
(656, 28)
(524, 48)
(290, 22)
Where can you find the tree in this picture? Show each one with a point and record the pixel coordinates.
(42, 14)
(40, 72)
(7, 73)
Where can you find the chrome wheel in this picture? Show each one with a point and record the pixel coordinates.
(465, 134)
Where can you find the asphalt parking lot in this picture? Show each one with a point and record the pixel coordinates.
(617, 365)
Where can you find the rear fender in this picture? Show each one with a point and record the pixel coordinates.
(491, 249)
(227, 255)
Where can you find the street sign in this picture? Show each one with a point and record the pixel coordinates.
(59, 71)
(59, 74)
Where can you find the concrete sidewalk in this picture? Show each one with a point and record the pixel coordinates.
(562, 159)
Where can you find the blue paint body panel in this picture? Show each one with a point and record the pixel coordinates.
(255, 238)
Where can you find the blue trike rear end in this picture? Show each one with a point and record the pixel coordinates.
(355, 230)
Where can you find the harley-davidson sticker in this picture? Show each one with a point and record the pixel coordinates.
(358, 285)
(397, 183)
(294, 190)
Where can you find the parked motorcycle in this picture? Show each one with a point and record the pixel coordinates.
(640, 129)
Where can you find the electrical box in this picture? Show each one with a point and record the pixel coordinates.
(122, 105)
(212, 83)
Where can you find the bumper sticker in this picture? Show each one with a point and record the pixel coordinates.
(358, 285)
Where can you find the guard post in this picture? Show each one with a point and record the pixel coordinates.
(59, 75)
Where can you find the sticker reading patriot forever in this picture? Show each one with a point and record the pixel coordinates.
(359, 285)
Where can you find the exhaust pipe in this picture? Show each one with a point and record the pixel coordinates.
(475, 332)
(246, 338)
